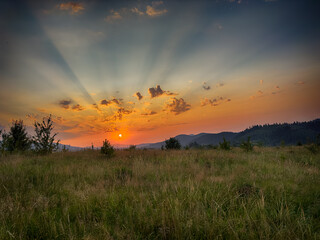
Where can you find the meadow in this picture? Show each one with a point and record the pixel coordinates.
(270, 193)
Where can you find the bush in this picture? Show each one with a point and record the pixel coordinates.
(313, 148)
(107, 149)
(225, 145)
(17, 140)
(44, 139)
(247, 146)
(172, 143)
(132, 147)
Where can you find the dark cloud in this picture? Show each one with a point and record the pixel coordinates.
(205, 86)
(214, 102)
(178, 106)
(77, 107)
(112, 101)
(138, 95)
(120, 112)
(65, 103)
(157, 91)
(149, 113)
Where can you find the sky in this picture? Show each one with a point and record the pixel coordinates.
(142, 71)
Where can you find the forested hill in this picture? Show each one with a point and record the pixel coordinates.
(267, 135)
(275, 134)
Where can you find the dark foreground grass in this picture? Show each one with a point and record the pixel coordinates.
(272, 193)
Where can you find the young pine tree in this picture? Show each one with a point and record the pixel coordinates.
(17, 140)
(225, 145)
(43, 141)
(247, 146)
(107, 149)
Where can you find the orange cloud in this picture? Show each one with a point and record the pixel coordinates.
(115, 15)
(137, 11)
(153, 10)
(214, 102)
(73, 7)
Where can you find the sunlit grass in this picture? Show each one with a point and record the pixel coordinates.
(271, 193)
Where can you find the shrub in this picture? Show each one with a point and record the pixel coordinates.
(132, 147)
(107, 149)
(313, 148)
(44, 139)
(225, 145)
(172, 143)
(17, 140)
(247, 146)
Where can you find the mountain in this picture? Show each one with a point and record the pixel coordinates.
(267, 135)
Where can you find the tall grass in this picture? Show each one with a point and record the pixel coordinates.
(271, 193)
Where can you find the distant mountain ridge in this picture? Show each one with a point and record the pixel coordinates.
(267, 135)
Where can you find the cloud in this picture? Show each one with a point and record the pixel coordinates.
(205, 86)
(157, 91)
(114, 16)
(138, 95)
(112, 101)
(120, 112)
(72, 7)
(300, 82)
(32, 116)
(214, 102)
(219, 85)
(137, 11)
(154, 11)
(65, 103)
(277, 90)
(148, 113)
(258, 94)
(177, 106)
(78, 108)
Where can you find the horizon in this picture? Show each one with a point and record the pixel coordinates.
(142, 71)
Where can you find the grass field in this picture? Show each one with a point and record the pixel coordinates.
(271, 193)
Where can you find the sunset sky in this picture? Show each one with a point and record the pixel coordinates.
(150, 70)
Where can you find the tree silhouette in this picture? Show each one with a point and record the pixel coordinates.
(44, 139)
(247, 146)
(172, 143)
(225, 145)
(107, 149)
(17, 139)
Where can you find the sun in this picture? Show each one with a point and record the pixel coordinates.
(120, 135)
